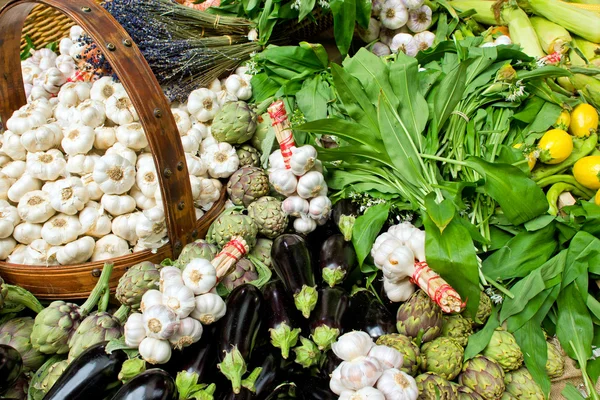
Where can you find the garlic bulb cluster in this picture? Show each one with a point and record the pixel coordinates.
(173, 317)
(369, 371)
(302, 181)
(399, 26)
(75, 163)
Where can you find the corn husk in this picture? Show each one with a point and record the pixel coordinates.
(573, 18)
(588, 86)
(484, 9)
(553, 37)
(591, 51)
(522, 32)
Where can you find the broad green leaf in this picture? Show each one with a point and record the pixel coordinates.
(363, 12)
(533, 344)
(574, 322)
(570, 392)
(319, 51)
(441, 214)
(398, 143)
(524, 290)
(344, 19)
(347, 130)
(310, 99)
(545, 118)
(451, 253)
(593, 305)
(531, 109)
(483, 57)
(479, 340)
(540, 222)
(347, 153)
(338, 179)
(355, 100)
(373, 74)
(536, 309)
(543, 72)
(450, 92)
(366, 228)
(520, 197)
(427, 79)
(521, 255)
(263, 87)
(306, 7)
(413, 109)
(584, 250)
(294, 58)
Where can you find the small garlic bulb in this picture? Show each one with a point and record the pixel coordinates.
(419, 19)
(302, 159)
(114, 174)
(155, 351)
(424, 40)
(210, 308)
(110, 246)
(312, 184)
(203, 104)
(35, 207)
(395, 384)
(352, 345)
(371, 33)
(284, 181)
(402, 231)
(335, 384)
(360, 372)
(132, 136)
(399, 291)
(319, 207)
(416, 243)
(120, 109)
(381, 49)
(412, 4)
(134, 330)
(200, 276)
(69, 195)
(189, 332)
(170, 276)
(399, 265)
(180, 299)
(151, 298)
(46, 165)
(295, 206)
(26, 232)
(105, 137)
(61, 229)
(160, 322)
(366, 393)
(404, 43)
(388, 357)
(393, 14)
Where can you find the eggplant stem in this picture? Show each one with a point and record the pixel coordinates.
(284, 338)
(324, 336)
(233, 367)
(306, 300)
(249, 382)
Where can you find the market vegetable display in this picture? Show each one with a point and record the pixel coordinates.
(411, 216)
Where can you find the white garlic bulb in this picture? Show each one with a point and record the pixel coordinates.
(352, 345)
(395, 384)
(393, 14)
(160, 322)
(360, 372)
(388, 357)
(134, 331)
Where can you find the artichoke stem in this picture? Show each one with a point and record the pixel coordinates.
(98, 290)
(233, 367)
(284, 338)
(18, 295)
(306, 300)
(248, 383)
(104, 300)
(122, 313)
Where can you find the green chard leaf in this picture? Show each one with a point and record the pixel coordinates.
(450, 92)
(574, 323)
(367, 227)
(532, 342)
(311, 99)
(344, 19)
(479, 340)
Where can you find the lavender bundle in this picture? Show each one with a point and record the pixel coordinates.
(185, 48)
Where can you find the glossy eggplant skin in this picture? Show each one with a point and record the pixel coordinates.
(331, 308)
(271, 362)
(244, 394)
(331, 362)
(281, 392)
(242, 322)
(11, 365)
(292, 262)
(90, 376)
(366, 313)
(337, 253)
(313, 388)
(316, 238)
(280, 306)
(153, 384)
(199, 358)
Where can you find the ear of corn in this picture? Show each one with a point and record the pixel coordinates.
(522, 32)
(588, 86)
(573, 18)
(583, 2)
(552, 37)
(590, 50)
(485, 13)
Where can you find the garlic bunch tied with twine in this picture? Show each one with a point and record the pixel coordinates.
(173, 317)
(400, 254)
(296, 173)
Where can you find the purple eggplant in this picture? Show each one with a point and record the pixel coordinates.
(330, 362)
(237, 334)
(11, 365)
(366, 313)
(313, 388)
(282, 317)
(282, 392)
(326, 320)
(344, 215)
(336, 259)
(292, 262)
(153, 384)
(244, 394)
(270, 364)
(199, 358)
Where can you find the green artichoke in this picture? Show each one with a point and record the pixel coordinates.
(434, 387)
(555, 365)
(3, 293)
(464, 393)
(262, 131)
(484, 310)
(268, 216)
(508, 396)
(521, 385)
(197, 249)
(96, 328)
(248, 155)
(244, 272)
(503, 349)
(35, 389)
(419, 317)
(262, 251)
(458, 328)
(246, 185)
(442, 356)
(54, 372)
(484, 376)
(54, 326)
(235, 123)
(17, 334)
(232, 223)
(135, 282)
(404, 344)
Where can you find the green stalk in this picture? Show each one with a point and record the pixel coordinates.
(98, 290)
(18, 295)
(501, 288)
(104, 300)
(122, 313)
(444, 159)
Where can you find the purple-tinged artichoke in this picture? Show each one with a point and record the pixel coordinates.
(268, 216)
(17, 334)
(197, 249)
(248, 155)
(464, 393)
(434, 387)
(262, 251)
(244, 272)
(419, 317)
(458, 328)
(484, 310)
(555, 365)
(484, 376)
(135, 282)
(232, 223)
(3, 293)
(18, 391)
(246, 185)
(262, 131)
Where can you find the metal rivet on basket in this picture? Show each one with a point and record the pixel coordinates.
(180, 166)
(167, 172)
(86, 9)
(157, 112)
(195, 233)
(181, 205)
(127, 42)
(96, 272)
(111, 46)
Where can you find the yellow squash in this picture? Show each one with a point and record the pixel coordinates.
(584, 120)
(529, 155)
(587, 172)
(563, 121)
(597, 198)
(555, 146)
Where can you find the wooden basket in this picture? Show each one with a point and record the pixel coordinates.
(45, 25)
(76, 281)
